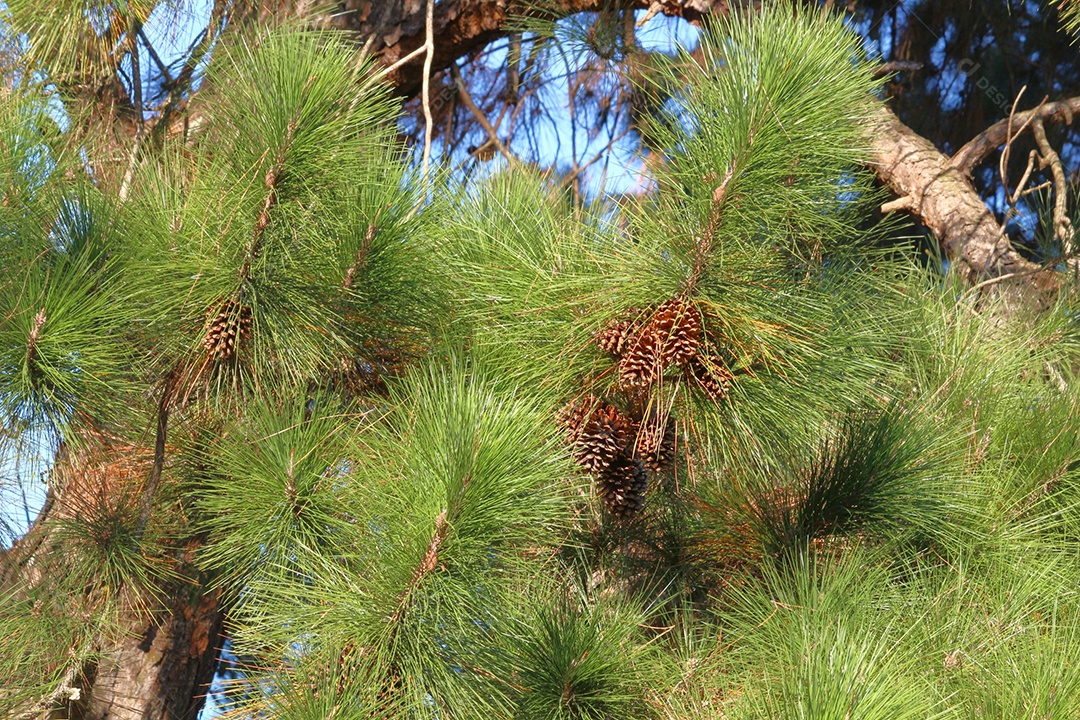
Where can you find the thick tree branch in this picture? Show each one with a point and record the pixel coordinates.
(464, 26)
(935, 189)
(967, 157)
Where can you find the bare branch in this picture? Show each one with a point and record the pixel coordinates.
(481, 118)
(429, 47)
(967, 157)
(1063, 229)
(896, 66)
(941, 195)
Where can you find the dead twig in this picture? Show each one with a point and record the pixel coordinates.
(1063, 229)
(481, 118)
(425, 93)
(967, 157)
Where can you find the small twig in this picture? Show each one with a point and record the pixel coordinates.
(155, 57)
(1010, 276)
(1063, 229)
(427, 564)
(1037, 188)
(387, 70)
(704, 245)
(1003, 161)
(361, 254)
(481, 118)
(146, 502)
(137, 99)
(654, 8)
(429, 48)
(133, 159)
(880, 71)
(1020, 192)
(904, 203)
(994, 136)
(603, 153)
(64, 687)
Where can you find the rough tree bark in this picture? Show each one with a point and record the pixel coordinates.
(163, 668)
(160, 665)
(938, 190)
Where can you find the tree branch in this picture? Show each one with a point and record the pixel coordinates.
(1063, 229)
(394, 31)
(933, 187)
(481, 118)
(429, 52)
(967, 157)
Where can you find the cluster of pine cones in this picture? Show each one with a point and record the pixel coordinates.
(618, 447)
(644, 345)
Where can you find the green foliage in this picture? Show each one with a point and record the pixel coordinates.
(271, 488)
(822, 642)
(775, 115)
(292, 215)
(437, 504)
(66, 300)
(875, 475)
(578, 659)
(77, 39)
(1070, 14)
(47, 637)
(337, 393)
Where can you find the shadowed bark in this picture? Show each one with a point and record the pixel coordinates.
(395, 28)
(163, 669)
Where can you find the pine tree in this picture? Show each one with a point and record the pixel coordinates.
(417, 448)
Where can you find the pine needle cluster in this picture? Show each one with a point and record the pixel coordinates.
(479, 453)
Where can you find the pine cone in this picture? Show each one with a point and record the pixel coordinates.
(672, 337)
(612, 339)
(616, 335)
(603, 439)
(227, 328)
(573, 417)
(655, 446)
(710, 375)
(622, 487)
(641, 362)
(678, 325)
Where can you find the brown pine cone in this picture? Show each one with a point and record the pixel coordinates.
(603, 439)
(677, 323)
(671, 337)
(622, 487)
(598, 432)
(573, 417)
(655, 446)
(710, 375)
(612, 339)
(227, 327)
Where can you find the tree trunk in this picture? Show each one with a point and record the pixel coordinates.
(161, 669)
